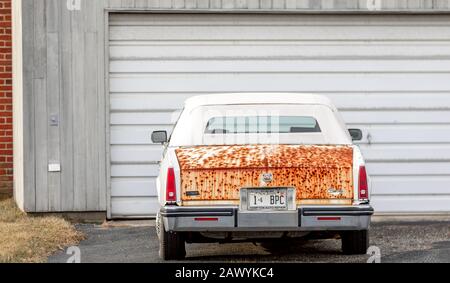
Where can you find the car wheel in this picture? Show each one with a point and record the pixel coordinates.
(355, 242)
(171, 244)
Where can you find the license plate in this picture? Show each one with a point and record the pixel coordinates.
(267, 199)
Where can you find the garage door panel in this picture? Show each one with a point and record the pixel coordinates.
(408, 204)
(345, 101)
(137, 134)
(145, 118)
(279, 82)
(408, 168)
(396, 117)
(125, 207)
(278, 20)
(388, 75)
(147, 101)
(400, 152)
(283, 66)
(268, 32)
(134, 170)
(404, 100)
(409, 185)
(404, 134)
(135, 153)
(137, 187)
(349, 50)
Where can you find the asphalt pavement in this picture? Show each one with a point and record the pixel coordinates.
(397, 241)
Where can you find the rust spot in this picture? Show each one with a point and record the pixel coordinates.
(219, 172)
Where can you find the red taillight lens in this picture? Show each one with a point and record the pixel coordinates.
(363, 187)
(171, 188)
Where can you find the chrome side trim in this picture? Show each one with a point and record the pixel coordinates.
(178, 211)
(337, 211)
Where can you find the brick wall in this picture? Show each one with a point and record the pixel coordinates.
(6, 139)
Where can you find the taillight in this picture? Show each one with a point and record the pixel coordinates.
(171, 188)
(363, 188)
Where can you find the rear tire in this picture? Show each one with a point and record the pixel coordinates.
(355, 242)
(172, 245)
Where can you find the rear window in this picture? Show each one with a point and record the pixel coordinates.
(262, 124)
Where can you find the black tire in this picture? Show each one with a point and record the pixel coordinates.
(355, 242)
(172, 245)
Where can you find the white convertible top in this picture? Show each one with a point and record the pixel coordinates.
(258, 98)
(199, 110)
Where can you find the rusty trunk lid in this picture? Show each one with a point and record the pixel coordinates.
(217, 173)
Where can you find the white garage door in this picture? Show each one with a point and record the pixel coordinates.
(389, 75)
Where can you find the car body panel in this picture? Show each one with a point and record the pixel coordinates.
(219, 172)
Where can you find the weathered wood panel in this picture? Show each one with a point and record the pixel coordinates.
(66, 114)
(280, 5)
(53, 103)
(66, 81)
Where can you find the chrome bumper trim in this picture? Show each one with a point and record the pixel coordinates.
(230, 219)
(337, 211)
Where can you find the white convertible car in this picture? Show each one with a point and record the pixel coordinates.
(258, 167)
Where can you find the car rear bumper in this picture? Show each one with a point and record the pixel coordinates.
(231, 219)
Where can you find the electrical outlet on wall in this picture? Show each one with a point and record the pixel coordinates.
(54, 167)
(54, 120)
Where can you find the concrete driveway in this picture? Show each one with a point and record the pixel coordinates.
(399, 241)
